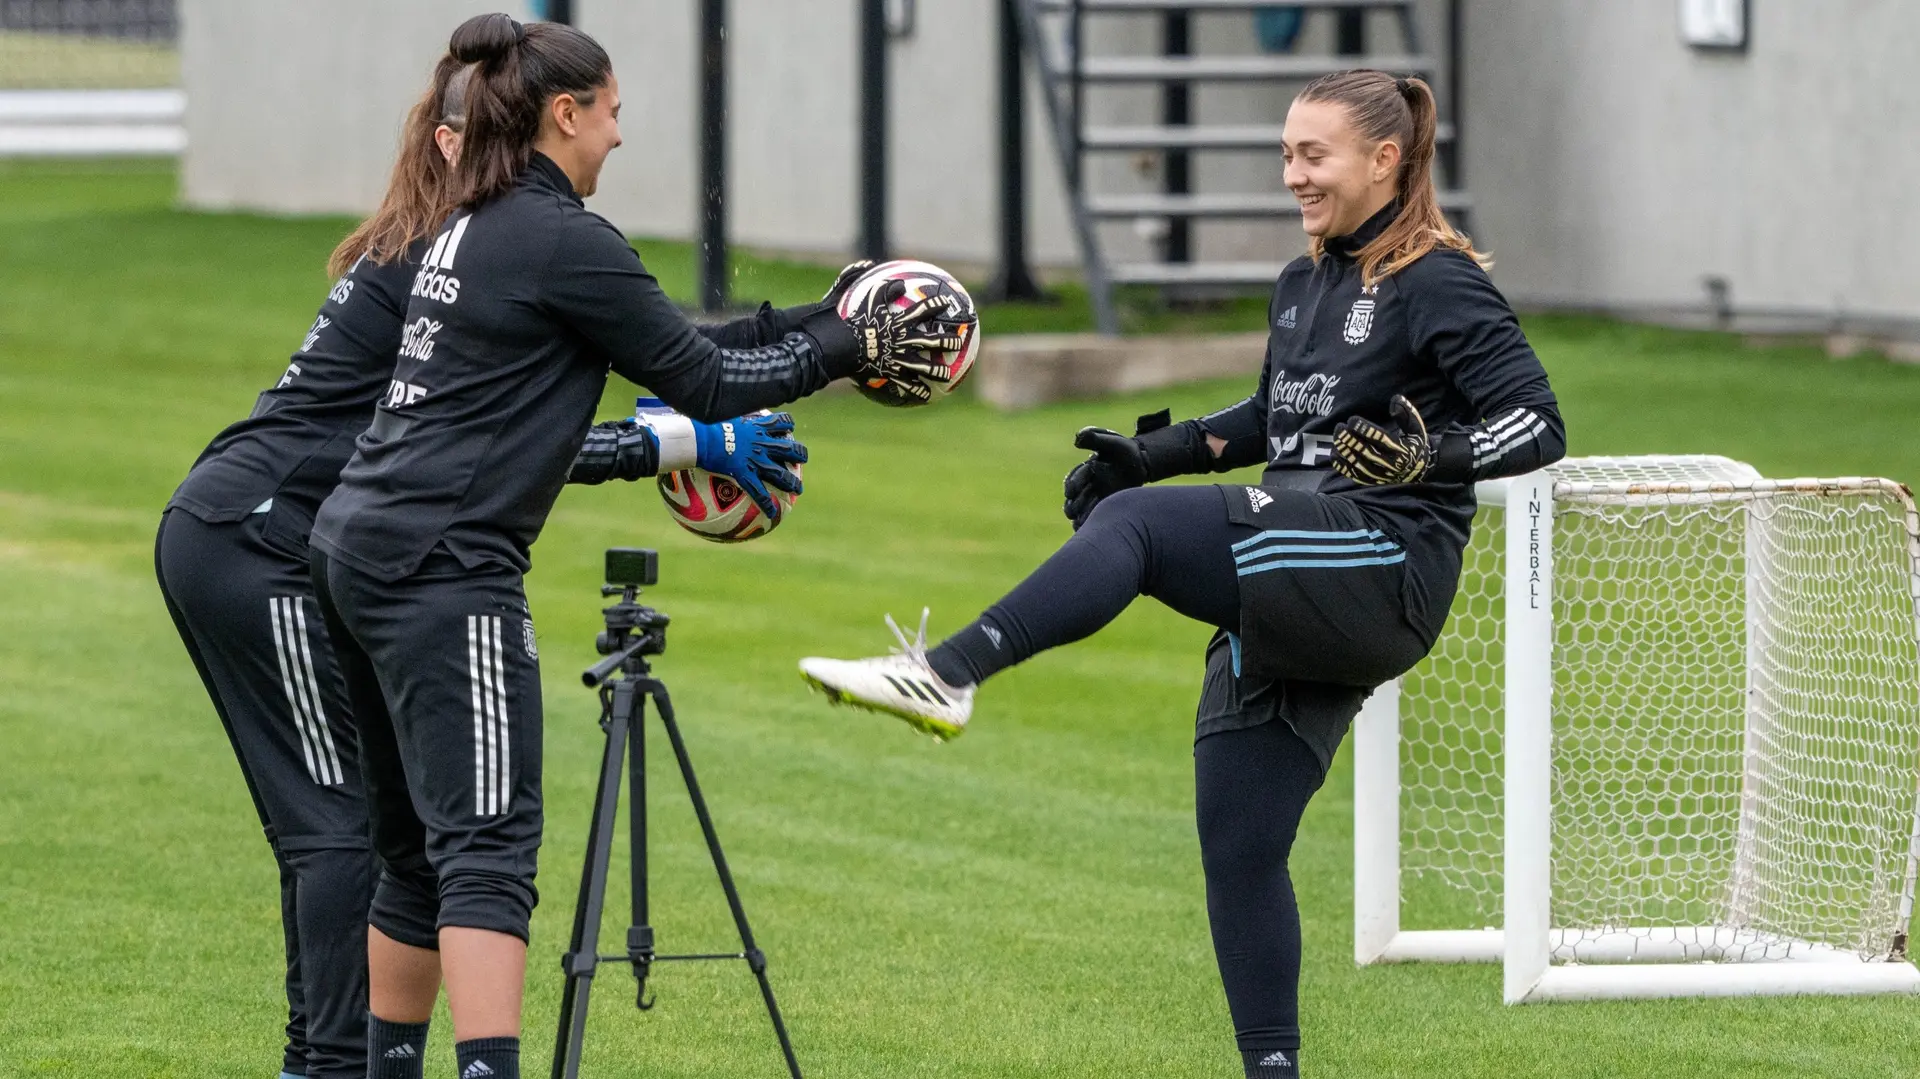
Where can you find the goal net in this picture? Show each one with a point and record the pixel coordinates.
(1671, 728)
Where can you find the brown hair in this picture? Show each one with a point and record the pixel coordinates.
(1383, 107)
(417, 193)
(517, 71)
(496, 77)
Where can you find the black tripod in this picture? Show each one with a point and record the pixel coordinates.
(633, 633)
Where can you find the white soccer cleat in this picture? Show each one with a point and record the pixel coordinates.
(901, 684)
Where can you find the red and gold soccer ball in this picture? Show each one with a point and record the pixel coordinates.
(715, 508)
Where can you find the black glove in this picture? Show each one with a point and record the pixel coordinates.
(1117, 464)
(895, 344)
(1365, 452)
(1159, 449)
(852, 273)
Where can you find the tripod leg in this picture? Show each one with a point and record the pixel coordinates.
(640, 931)
(756, 959)
(583, 947)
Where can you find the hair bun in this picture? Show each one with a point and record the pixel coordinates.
(486, 37)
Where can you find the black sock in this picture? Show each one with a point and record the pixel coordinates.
(975, 654)
(1271, 1063)
(489, 1058)
(395, 1050)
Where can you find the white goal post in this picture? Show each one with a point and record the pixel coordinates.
(1668, 744)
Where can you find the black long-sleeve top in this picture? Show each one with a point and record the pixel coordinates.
(518, 311)
(1437, 331)
(285, 458)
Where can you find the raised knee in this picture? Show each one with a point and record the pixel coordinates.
(1124, 512)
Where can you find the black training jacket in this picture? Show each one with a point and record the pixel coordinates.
(285, 458)
(300, 435)
(1437, 331)
(517, 312)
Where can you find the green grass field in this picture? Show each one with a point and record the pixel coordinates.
(1026, 901)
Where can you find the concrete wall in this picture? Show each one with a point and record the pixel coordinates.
(793, 160)
(1612, 166)
(295, 107)
(309, 124)
(1616, 167)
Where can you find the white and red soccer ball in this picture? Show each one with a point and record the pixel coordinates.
(923, 281)
(715, 508)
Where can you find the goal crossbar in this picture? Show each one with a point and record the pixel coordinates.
(1609, 960)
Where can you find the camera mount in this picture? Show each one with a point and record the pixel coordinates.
(625, 680)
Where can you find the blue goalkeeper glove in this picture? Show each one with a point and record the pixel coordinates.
(754, 451)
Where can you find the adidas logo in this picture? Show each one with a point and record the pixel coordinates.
(1276, 1059)
(994, 636)
(476, 1070)
(908, 687)
(1260, 499)
(1288, 318)
(403, 1051)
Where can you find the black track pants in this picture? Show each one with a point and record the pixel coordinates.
(1313, 588)
(246, 614)
(1172, 543)
(1251, 787)
(1299, 584)
(445, 682)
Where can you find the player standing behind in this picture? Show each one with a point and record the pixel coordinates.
(231, 557)
(521, 305)
(1333, 575)
(234, 571)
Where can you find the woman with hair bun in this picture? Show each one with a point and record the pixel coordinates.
(522, 304)
(1396, 376)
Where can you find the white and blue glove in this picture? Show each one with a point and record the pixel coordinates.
(755, 451)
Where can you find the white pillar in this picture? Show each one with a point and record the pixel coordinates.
(1529, 739)
(1376, 824)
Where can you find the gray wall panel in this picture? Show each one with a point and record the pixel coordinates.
(1615, 166)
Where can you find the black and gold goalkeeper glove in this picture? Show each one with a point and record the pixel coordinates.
(1365, 452)
(854, 271)
(906, 343)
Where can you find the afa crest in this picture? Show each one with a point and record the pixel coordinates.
(1359, 322)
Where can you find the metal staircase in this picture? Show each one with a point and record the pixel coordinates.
(1072, 75)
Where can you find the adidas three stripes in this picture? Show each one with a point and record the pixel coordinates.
(450, 732)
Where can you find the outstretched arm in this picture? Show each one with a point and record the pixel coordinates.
(596, 284)
(620, 449)
(770, 324)
(757, 452)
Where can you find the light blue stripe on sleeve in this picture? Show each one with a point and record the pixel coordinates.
(1323, 563)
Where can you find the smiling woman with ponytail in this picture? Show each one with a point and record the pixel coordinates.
(1396, 113)
(523, 304)
(1395, 377)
